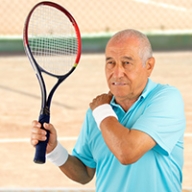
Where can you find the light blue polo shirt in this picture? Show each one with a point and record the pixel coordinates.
(159, 112)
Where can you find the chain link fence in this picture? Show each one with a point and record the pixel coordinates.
(98, 16)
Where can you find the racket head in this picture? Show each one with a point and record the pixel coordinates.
(52, 39)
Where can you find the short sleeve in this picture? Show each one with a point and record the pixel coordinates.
(163, 119)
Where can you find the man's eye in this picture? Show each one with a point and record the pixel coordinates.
(126, 62)
(110, 64)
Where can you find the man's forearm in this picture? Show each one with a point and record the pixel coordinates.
(77, 171)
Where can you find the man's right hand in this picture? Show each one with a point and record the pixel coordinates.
(38, 134)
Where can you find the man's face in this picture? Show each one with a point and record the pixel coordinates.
(125, 73)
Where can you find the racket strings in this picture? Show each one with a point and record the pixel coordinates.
(52, 40)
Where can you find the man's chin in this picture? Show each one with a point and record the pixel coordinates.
(119, 95)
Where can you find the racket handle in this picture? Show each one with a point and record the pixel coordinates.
(40, 151)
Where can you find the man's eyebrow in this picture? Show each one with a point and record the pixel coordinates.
(128, 58)
(108, 58)
(124, 57)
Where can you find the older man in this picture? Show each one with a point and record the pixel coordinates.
(132, 136)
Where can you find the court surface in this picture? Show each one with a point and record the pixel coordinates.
(20, 102)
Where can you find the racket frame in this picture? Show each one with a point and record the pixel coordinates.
(46, 101)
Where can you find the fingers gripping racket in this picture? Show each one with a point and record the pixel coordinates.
(52, 43)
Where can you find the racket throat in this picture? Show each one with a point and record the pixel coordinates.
(45, 111)
(44, 116)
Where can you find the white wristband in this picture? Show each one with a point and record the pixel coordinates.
(58, 156)
(101, 112)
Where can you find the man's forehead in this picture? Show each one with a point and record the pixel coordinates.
(121, 45)
(121, 49)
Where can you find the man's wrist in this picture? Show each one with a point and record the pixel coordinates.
(101, 112)
(58, 156)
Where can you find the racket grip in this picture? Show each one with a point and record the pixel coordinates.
(40, 151)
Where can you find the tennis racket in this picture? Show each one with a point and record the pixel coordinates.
(52, 42)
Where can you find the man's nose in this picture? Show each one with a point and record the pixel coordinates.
(118, 70)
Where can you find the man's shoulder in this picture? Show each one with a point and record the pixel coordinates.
(166, 89)
(165, 93)
(159, 88)
(153, 90)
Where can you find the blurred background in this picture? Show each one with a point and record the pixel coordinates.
(168, 25)
(166, 22)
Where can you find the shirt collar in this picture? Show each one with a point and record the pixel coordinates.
(148, 88)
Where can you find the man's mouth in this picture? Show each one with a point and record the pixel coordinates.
(118, 83)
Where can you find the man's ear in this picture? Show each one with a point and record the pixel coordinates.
(150, 65)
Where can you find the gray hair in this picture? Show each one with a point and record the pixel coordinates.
(145, 49)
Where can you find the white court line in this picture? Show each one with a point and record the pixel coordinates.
(24, 140)
(163, 5)
(188, 135)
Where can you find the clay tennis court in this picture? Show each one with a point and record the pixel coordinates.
(20, 102)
